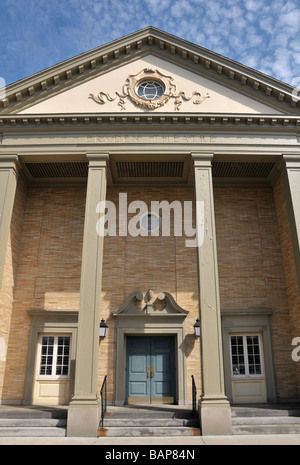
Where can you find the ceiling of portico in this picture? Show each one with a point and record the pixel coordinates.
(150, 171)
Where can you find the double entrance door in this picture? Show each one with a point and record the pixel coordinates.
(150, 369)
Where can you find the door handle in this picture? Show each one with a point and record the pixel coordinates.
(152, 371)
(148, 371)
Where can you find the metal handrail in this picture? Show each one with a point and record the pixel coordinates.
(194, 393)
(103, 395)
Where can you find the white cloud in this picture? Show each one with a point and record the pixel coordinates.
(252, 5)
(291, 19)
(263, 34)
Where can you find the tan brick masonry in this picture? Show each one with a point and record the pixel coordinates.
(44, 271)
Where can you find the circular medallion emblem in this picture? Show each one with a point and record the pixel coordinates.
(150, 89)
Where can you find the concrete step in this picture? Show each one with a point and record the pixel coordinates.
(130, 421)
(148, 414)
(266, 429)
(32, 412)
(155, 422)
(32, 432)
(147, 431)
(32, 422)
(265, 420)
(264, 412)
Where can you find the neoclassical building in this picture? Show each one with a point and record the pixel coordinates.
(152, 184)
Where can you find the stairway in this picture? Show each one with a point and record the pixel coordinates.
(32, 421)
(150, 420)
(266, 419)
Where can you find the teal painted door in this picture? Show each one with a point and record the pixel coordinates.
(150, 369)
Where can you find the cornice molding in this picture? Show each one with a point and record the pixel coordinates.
(58, 78)
(57, 122)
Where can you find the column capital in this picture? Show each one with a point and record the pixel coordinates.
(202, 159)
(97, 159)
(10, 162)
(291, 161)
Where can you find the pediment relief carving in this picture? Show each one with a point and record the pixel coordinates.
(149, 89)
(161, 304)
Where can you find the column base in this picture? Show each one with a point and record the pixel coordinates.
(83, 418)
(215, 416)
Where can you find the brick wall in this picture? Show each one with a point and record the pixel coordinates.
(48, 273)
(289, 268)
(251, 271)
(143, 263)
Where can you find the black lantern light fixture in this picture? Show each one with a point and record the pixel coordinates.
(103, 328)
(197, 328)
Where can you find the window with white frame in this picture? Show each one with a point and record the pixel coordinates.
(246, 357)
(54, 356)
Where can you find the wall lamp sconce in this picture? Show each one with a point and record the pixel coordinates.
(197, 328)
(103, 328)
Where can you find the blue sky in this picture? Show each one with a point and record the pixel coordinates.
(262, 34)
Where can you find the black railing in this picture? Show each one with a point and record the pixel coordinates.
(103, 395)
(194, 391)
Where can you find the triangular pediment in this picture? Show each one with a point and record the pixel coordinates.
(115, 91)
(201, 81)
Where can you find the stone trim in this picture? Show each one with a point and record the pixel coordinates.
(48, 321)
(131, 326)
(249, 320)
(162, 316)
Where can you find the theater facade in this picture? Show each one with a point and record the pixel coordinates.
(154, 186)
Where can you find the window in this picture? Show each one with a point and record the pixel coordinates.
(150, 222)
(150, 90)
(246, 355)
(54, 356)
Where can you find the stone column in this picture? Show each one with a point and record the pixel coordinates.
(83, 414)
(292, 193)
(214, 408)
(8, 185)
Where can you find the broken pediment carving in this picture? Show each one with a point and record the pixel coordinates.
(149, 304)
(149, 89)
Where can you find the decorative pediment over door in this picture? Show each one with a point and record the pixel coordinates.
(163, 304)
(148, 315)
